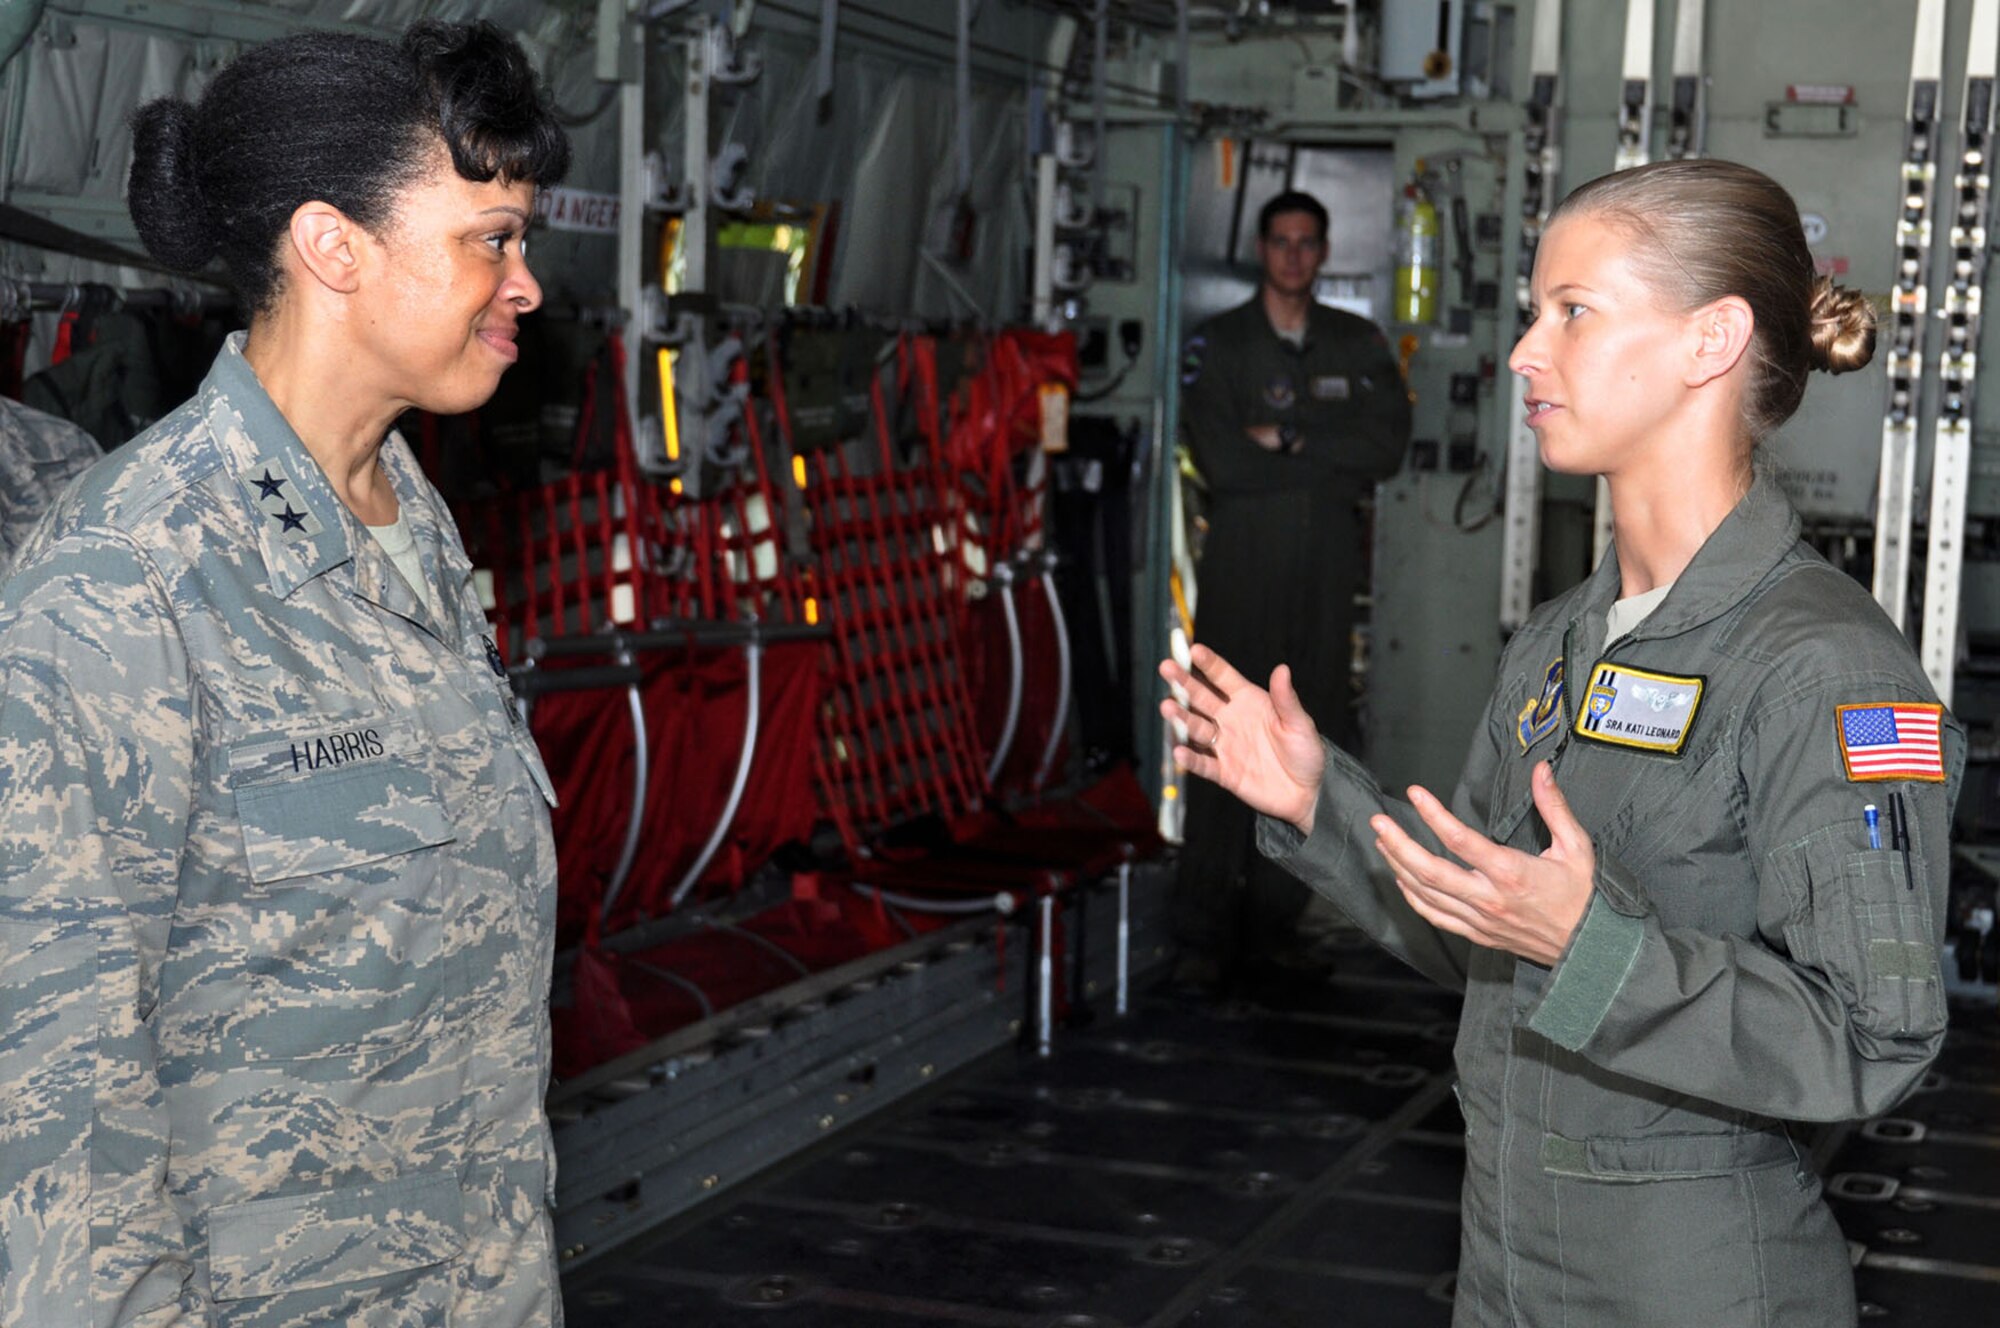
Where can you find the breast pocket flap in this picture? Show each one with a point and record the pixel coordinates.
(300, 1242)
(299, 819)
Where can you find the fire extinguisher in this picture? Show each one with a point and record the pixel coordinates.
(1416, 288)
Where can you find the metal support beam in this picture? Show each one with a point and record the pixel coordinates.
(1183, 50)
(1521, 492)
(699, 43)
(623, 56)
(1043, 304)
(1045, 981)
(1909, 306)
(1154, 616)
(829, 33)
(1958, 363)
(1687, 128)
(1124, 1003)
(1481, 117)
(220, 20)
(1635, 105)
(962, 88)
(1531, 192)
(1100, 23)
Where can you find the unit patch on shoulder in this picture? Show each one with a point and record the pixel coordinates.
(1891, 740)
(1628, 707)
(1543, 714)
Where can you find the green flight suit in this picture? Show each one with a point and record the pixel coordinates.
(1747, 961)
(1281, 562)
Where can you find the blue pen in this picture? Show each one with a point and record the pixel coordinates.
(1874, 825)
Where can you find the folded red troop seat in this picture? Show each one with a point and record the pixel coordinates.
(901, 537)
(641, 621)
(886, 725)
(617, 1000)
(724, 787)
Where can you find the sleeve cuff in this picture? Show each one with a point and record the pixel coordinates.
(1278, 839)
(1324, 850)
(1590, 974)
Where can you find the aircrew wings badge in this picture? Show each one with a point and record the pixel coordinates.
(1543, 714)
(1891, 740)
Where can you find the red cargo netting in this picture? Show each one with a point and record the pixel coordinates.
(572, 556)
(895, 732)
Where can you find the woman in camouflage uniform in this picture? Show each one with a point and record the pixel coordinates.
(1655, 884)
(278, 893)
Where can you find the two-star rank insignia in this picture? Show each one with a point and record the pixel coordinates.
(277, 496)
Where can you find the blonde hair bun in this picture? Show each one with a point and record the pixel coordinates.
(1843, 328)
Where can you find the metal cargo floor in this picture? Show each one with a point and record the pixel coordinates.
(1290, 1158)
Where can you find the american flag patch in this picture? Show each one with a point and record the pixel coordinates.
(1892, 741)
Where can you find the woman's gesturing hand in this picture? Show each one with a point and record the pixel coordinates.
(1261, 746)
(1502, 898)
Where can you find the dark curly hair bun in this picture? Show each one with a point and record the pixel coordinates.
(168, 210)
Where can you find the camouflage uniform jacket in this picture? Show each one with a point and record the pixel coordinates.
(277, 897)
(39, 455)
(1747, 961)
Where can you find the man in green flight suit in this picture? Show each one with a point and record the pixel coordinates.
(1293, 411)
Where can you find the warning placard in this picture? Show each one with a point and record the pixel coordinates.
(577, 210)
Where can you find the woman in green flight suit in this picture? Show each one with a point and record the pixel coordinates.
(1655, 883)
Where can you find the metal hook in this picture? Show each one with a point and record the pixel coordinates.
(16, 300)
(729, 184)
(730, 64)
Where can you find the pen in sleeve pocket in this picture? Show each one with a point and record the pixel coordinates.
(1899, 836)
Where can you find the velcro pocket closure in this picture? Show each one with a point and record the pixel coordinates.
(301, 1242)
(1877, 936)
(1863, 917)
(331, 799)
(1666, 1156)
